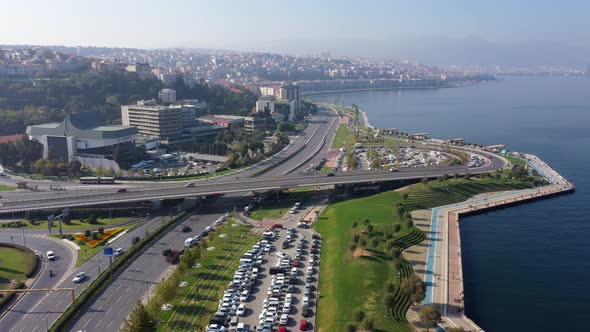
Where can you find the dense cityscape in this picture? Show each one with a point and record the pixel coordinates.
(267, 167)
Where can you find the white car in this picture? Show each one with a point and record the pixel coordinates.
(284, 319)
(50, 255)
(119, 252)
(79, 277)
(244, 296)
(215, 328)
(241, 310)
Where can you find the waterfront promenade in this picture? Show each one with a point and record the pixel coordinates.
(444, 273)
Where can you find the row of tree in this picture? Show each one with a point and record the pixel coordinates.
(22, 152)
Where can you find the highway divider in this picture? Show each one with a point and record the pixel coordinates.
(103, 280)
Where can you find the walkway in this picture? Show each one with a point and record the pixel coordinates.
(444, 272)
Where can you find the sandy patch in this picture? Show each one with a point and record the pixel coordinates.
(360, 252)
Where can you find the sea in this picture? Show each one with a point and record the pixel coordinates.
(526, 267)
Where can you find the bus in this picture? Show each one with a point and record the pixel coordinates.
(97, 180)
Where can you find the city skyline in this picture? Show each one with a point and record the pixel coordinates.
(260, 25)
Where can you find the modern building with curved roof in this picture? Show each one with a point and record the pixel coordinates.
(81, 135)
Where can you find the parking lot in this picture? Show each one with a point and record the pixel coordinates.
(275, 287)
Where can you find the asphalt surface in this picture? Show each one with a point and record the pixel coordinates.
(111, 307)
(37, 310)
(242, 185)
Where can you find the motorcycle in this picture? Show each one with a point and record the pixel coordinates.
(50, 273)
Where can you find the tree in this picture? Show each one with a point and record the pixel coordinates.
(429, 316)
(93, 219)
(397, 228)
(356, 238)
(140, 320)
(405, 196)
(366, 221)
(395, 253)
(363, 242)
(286, 126)
(358, 315)
(414, 288)
(388, 235)
(369, 228)
(352, 247)
(374, 242)
(354, 224)
(390, 286)
(350, 328)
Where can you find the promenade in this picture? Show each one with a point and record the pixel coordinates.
(444, 273)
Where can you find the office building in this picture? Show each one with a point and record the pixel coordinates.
(167, 96)
(291, 92)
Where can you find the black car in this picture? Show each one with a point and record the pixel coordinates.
(166, 252)
(185, 229)
(330, 174)
(135, 240)
(204, 233)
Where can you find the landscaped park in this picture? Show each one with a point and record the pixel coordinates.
(363, 268)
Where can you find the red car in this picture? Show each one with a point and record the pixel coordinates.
(303, 325)
(282, 329)
(122, 190)
(277, 226)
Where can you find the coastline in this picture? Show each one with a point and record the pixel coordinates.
(443, 272)
(427, 87)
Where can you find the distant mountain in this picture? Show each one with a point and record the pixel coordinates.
(440, 50)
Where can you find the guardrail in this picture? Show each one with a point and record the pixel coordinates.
(102, 281)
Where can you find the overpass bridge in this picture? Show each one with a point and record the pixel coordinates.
(40, 201)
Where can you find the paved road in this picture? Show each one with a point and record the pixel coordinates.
(36, 310)
(110, 308)
(241, 185)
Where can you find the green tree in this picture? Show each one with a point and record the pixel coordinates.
(358, 315)
(395, 253)
(93, 219)
(354, 224)
(405, 196)
(369, 228)
(397, 228)
(139, 321)
(429, 316)
(374, 242)
(389, 302)
(414, 288)
(362, 242)
(366, 221)
(352, 247)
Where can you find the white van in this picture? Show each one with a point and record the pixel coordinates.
(189, 242)
(246, 261)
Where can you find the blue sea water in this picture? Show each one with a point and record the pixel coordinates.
(527, 267)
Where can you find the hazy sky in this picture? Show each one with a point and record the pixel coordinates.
(231, 24)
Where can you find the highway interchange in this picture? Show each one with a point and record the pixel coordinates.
(36, 311)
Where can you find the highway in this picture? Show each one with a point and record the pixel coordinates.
(224, 185)
(42, 309)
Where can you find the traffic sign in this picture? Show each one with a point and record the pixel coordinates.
(108, 251)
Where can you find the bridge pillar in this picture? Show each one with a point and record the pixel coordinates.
(156, 204)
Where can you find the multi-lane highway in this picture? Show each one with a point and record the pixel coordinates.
(232, 185)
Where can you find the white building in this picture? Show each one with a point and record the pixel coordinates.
(167, 96)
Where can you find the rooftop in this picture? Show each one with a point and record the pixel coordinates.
(82, 125)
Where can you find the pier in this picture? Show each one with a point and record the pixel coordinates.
(444, 271)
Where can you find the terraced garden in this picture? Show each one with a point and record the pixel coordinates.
(349, 281)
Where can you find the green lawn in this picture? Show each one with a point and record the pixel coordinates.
(515, 160)
(77, 224)
(348, 283)
(14, 264)
(86, 252)
(6, 188)
(344, 137)
(193, 309)
(270, 209)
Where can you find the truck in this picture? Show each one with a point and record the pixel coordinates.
(173, 257)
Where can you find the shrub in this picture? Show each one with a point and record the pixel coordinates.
(356, 238)
(350, 328)
(397, 228)
(354, 224)
(93, 219)
(405, 195)
(410, 224)
(368, 324)
(388, 235)
(352, 247)
(94, 235)
(87, 233)
(101, 230)
(363, 242)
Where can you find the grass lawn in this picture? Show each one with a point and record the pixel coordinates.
(270, 209)
(86, 252)
(77, 224)
(344, 137)
(13, 265)
(346, 282)
(194, 307)
(515, 160)
(6, 188)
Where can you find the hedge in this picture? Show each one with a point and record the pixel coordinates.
(102, 281)
(33, 265)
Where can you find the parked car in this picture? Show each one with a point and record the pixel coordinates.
(303, 325)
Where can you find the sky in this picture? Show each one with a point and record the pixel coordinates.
(259, 23)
